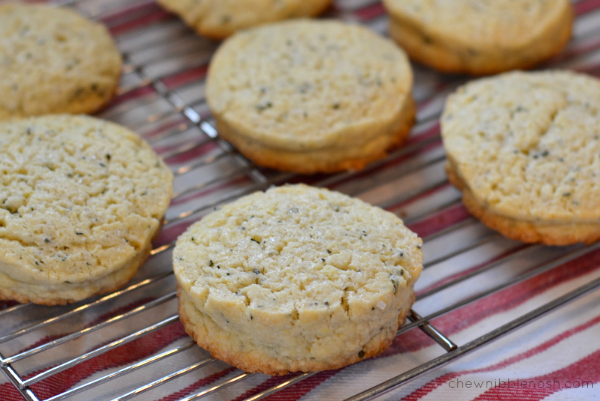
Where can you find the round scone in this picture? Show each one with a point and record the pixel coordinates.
(296, 279)
(52, 60)
(80, 201)
(311, 96)
(480, 37)
(219, 19)
(524, 148)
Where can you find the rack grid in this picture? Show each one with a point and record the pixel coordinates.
(161, 97)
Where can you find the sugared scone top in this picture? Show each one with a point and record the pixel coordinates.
(297, 249)
(305, 84)
(79, 198)
(528, 144)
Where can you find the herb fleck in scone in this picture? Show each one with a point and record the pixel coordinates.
(52, 60)
(483, 36)
(80, 201)
(219, 19)
(311, 96)
(525, 150)
(296, 279)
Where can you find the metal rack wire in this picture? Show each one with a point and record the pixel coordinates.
(144, 47)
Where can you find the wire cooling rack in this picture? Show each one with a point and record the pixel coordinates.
(45, 351)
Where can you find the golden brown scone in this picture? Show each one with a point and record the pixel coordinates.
(524, 148)
(296, 279)
(219, 19)
(52, 60)
(480, 37)
(80, 201)
(311, 96)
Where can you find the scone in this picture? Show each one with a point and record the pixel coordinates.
(219, 19)
(296, 279)
(80, 201)
(311, 96)
(480, 37)
(524, 148)
(52, 60)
